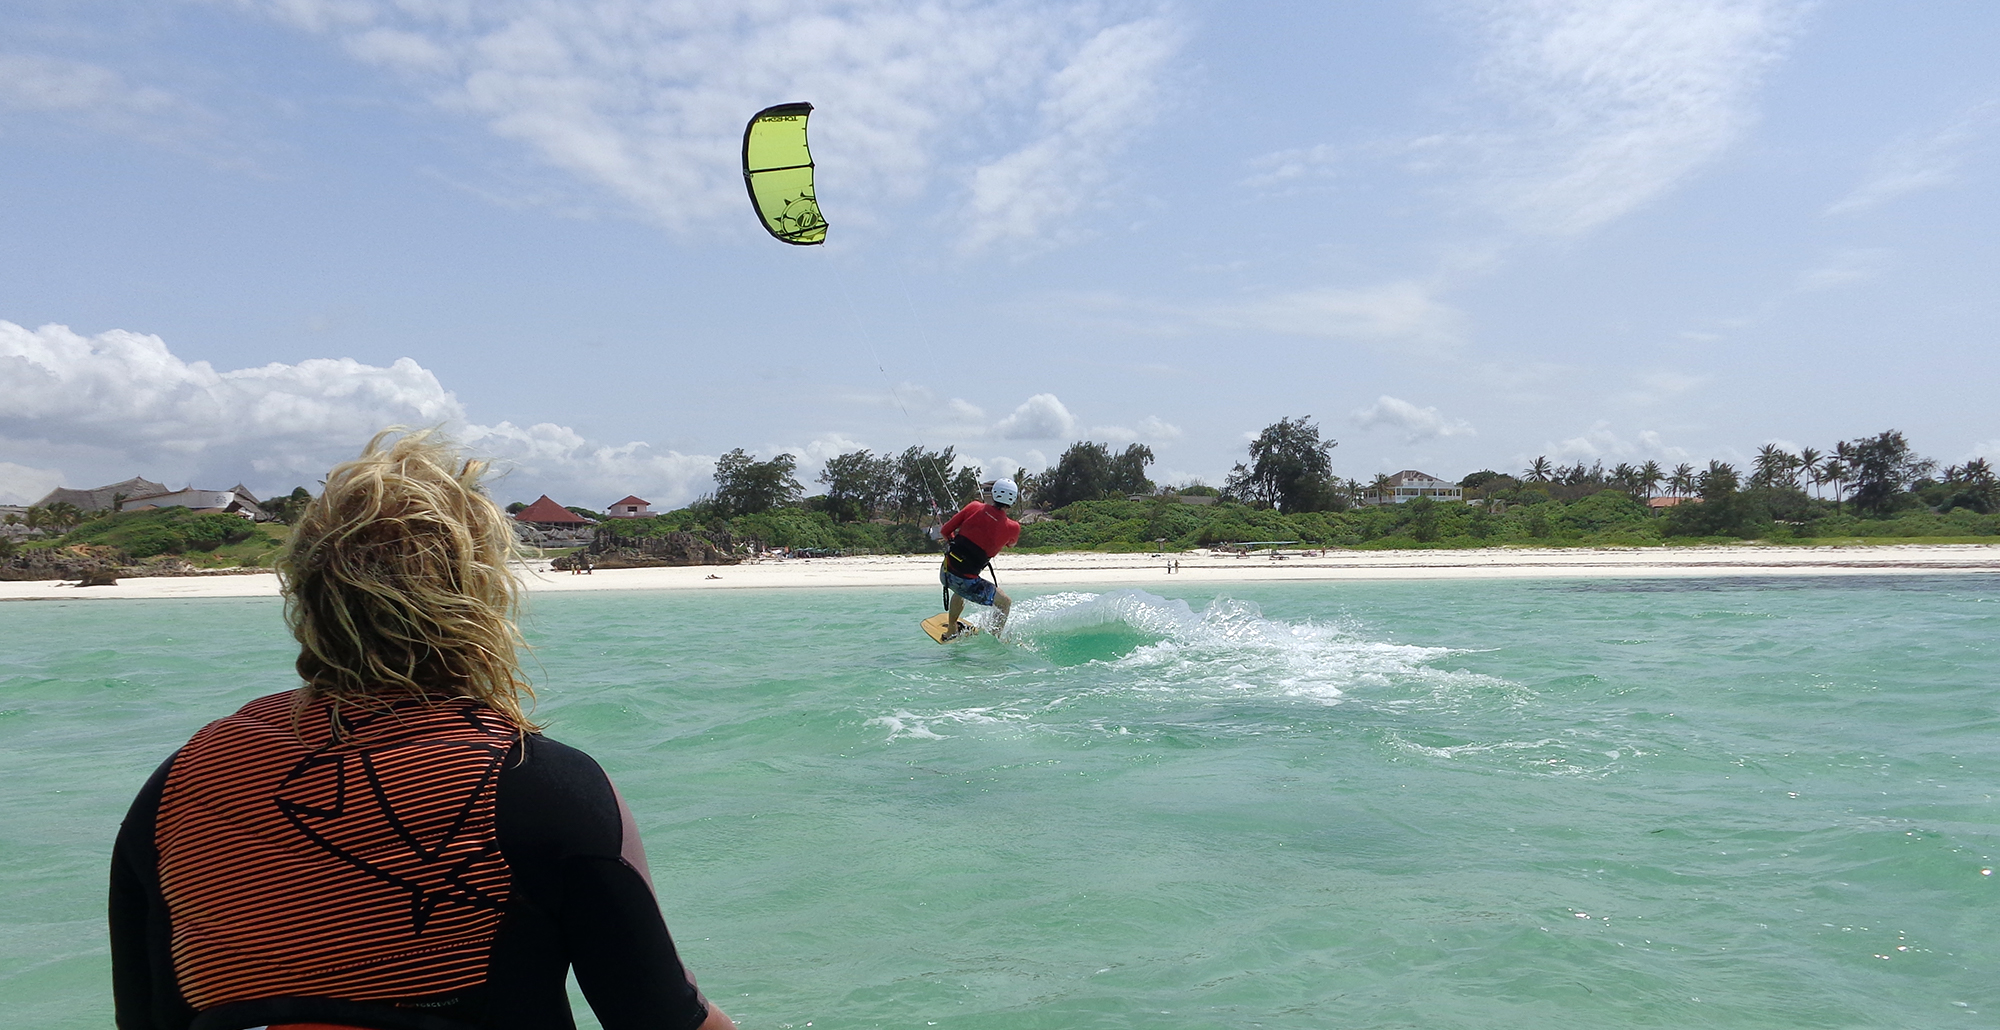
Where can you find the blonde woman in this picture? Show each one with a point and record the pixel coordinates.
(392, 844)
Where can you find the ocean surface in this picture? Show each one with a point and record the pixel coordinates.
(1675, 803)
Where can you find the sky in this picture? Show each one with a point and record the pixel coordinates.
(237, 237)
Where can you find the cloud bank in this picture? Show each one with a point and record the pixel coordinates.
(124, 401)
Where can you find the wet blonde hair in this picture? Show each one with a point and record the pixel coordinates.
(396, 581)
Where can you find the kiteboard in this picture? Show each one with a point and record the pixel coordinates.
(940, 624)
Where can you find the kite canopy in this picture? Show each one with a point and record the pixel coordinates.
(778, 169)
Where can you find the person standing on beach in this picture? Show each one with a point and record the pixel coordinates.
(392, 844)
(973, 538)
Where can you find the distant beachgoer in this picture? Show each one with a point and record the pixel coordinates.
(391, 844)
(973, 538)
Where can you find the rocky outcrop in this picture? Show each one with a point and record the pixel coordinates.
(97, 564)
(77, 562)
(610, 550)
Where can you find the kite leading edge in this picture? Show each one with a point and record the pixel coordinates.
(778, 170)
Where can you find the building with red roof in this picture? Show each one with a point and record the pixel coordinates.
(545, 512)
(630, 507)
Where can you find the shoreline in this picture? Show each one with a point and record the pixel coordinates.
(1089, 568)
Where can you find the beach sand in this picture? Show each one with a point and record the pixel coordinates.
(1198, 567)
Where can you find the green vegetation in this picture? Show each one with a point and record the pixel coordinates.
(1287, 490)
(211, 540)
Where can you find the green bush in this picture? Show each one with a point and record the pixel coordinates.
(144, 534)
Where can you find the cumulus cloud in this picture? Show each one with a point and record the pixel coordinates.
(1023, 107)
(124, 400)
(1617, 101)
(1041, 417)
(1416, 424)
(1599, 442)
(20, 484)
(1923, 162)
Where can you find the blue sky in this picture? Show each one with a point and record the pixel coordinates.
(239, 235)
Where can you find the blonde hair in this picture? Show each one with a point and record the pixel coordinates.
(396, 581)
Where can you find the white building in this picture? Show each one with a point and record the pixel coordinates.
(1409, 484)
(630, 507)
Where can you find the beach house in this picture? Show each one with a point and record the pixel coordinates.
(237, 500)
(629, 507)
(550, 515)
(1409, 484)
(103, 498)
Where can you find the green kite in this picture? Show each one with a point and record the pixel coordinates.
(778, 170)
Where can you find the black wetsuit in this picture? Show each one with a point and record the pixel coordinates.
(257, 883)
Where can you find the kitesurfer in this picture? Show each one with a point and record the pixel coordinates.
(972, 539)
(391, 844)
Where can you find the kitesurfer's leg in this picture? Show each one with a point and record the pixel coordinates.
(1002, 604)
(957, 608)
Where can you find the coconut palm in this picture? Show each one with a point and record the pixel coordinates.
(1773, 467)
(1382, 488)
(1809, 463)
(1835, 471)
(1650, 476)
(1681, 483)
(1539, 470)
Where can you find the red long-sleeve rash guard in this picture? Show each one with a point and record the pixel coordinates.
(985, 526)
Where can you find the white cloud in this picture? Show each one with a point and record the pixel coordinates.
(96, 96)
(1618, 101)
(1599, 442)
(1041, 417)
(130, 404)
(1416, 424)
(1913, 164)
(1024, 106)
(1152, 429)
(1095, 105)
(1398, 315)
(20, 484)
(1283, 170)
(1656, 387)
(1844, 267)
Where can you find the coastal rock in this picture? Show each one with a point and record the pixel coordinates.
(78, 561)
(610, 550)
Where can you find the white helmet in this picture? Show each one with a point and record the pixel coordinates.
(1005, 492)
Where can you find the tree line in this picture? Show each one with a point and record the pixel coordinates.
(1289, 468)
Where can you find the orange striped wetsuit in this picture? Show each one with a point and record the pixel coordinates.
(420, 867)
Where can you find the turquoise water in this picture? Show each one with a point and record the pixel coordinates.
(1717, 803)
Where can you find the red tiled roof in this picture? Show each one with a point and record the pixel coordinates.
(623, 501)
(549, 513)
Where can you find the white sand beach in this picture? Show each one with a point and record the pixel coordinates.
(1197, 567)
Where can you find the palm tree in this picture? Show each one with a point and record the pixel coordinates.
(1382, 488)
(1835, 471)
(1809, 463)
(1539, 471)
(1650, 476)
(1774, 467)
(1681, 483)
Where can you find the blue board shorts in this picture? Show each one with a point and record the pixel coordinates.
(973, 589)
